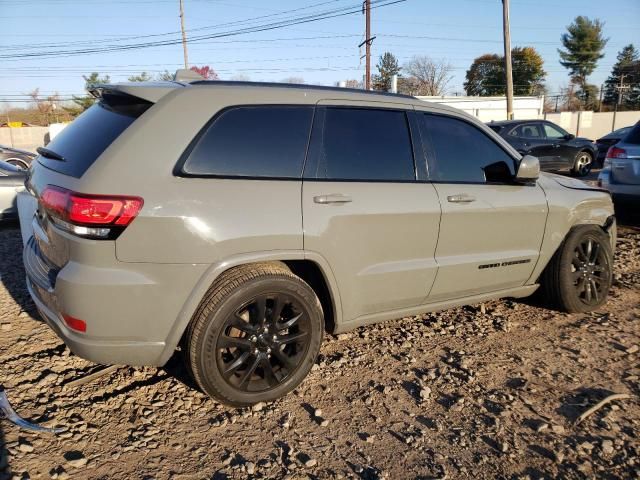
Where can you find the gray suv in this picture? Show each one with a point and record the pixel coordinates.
(237, 222)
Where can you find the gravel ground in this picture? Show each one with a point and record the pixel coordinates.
(487, 391)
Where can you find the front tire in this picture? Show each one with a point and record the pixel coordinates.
(255, 336)
(579, 275)
(18, 162)
(582, 164)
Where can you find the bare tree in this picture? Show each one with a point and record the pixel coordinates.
(45, 106)
(298, 80)
(427, 76)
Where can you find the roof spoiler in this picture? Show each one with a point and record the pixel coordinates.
(186, 75)
(148, 91)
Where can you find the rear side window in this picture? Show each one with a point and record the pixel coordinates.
(261, 141)
(84, 139)
(633, 136)
(528, 130)
(461, 152)
(363, 144)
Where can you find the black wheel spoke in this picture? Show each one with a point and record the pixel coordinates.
(235, 364)
(291, 337)
(595, 252)
(279, 303)
(246, 375)
(289, 323)
(285, 360)
(269, 376)
(241, 324)
(258, 311)
(237, 342)
(594, 289)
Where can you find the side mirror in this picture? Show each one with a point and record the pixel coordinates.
(528, 170)
(569, 136)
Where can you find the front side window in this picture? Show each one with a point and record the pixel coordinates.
(553, 132)
(460, 152)
(528, 130)
(260, 141)
(363, 144)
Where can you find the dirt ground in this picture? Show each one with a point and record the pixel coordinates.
(488, 391)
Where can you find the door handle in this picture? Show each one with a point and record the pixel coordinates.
(461, 198)
(332, 198)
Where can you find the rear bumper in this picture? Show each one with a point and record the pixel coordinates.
(130, 309)
(99, 351)
(618, 189)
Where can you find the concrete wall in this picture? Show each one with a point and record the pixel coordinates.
(493, 108)
(26, 138)
(600, 124)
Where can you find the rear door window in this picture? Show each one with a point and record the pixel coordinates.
(362, 144)
(254, 141)
(84, 139)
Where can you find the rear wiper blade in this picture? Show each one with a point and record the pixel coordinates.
(45, 152)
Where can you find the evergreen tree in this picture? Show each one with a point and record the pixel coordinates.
(84, 102)
(387, 67)
(583, 45)
(627, 64)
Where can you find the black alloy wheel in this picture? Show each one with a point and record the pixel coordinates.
(591, 271)
(255, 335)
(263, 342)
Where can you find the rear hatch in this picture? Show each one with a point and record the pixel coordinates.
(625, 159)
(64, 212)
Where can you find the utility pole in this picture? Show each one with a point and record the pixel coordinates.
(507, 57)
(366, 9)
(620, 88)
(184, 35)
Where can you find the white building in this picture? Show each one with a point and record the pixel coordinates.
(493, 108)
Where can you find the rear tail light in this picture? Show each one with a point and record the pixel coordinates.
(615, 152)
(93, 216)
(75, 323)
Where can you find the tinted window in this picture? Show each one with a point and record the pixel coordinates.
(460, 152)
(553, 132)
(633, 136)
(262, 141)
(528, 130)
(364, 144)
(84, 139)
(495, 128)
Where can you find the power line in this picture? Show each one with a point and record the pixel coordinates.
(343, 11)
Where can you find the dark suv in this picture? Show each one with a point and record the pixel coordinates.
(555, 148)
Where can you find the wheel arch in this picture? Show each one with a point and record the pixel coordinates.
(311, 267)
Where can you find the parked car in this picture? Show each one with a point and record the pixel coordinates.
(11, 179)
(270, 213)
(621, 172)
(555, 147)
(15, 156)
(604, 143)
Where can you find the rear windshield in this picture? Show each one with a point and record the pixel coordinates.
(84, 140)
(633, 136)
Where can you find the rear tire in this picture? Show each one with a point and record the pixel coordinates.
(582, 164)
(578, 277)
(255, 335)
